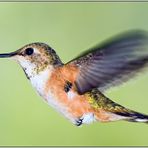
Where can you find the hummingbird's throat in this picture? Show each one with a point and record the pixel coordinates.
(39, 80)
(32, 68)
(29, 68)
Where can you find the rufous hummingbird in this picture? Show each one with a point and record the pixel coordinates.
(76, 88)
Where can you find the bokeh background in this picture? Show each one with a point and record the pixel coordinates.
(70, 28)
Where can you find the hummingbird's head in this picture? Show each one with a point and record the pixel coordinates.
(34, 58)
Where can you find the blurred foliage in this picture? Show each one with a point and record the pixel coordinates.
(70, 28)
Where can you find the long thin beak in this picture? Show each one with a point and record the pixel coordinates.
(8, 55)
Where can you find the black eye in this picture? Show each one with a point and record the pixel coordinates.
(29, 51)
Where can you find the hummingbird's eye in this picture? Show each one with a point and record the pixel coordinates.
(29, 51)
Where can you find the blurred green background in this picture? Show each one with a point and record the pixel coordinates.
(70, 28)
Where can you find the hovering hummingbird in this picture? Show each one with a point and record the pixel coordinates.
(76, 88)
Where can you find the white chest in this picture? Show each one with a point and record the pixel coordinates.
(39, 81)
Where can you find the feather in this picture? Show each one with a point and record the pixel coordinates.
(113, 62)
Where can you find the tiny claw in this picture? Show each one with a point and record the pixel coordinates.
(79, 122)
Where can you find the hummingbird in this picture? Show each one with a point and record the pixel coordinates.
(76, 88)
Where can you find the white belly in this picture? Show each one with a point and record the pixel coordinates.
(59, 107)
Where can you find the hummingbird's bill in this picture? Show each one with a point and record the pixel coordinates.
(8, 55)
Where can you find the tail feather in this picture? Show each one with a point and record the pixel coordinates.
(134, 116)
(138, 117)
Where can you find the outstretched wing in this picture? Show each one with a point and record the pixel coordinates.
(113, 62)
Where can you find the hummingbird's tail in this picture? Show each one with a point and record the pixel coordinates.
(138, 117)
(134, 117)
(112, 111)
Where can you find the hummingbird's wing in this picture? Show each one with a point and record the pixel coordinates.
(113, 62)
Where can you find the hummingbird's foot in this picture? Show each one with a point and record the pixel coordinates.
(67, 86)
(79, 122)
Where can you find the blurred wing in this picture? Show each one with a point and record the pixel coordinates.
(113, 62)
